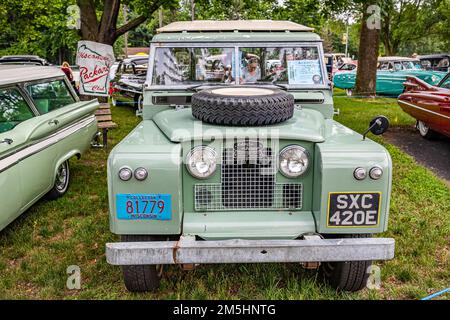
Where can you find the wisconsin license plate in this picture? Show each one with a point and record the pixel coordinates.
(144, 206)
(353, 209)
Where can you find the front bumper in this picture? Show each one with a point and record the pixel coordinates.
(189, 251)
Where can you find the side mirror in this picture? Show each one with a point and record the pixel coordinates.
(377, 126)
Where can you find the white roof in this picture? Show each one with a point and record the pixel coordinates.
(397, 59)
(232, 25)
(10, 74)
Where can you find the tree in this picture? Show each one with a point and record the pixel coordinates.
(106, 30)
(366, 75)
(406, 22)
(37, 27)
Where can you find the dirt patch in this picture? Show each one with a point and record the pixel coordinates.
(433, 154)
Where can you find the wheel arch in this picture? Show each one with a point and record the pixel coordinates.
(65, 157)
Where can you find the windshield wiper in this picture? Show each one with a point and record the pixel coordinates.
(197, 86)
(273, 83)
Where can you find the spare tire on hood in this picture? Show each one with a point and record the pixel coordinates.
(242, 106)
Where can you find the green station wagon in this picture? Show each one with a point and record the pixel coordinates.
(238, 160)
(42, 126)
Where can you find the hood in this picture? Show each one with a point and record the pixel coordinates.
(181, 126)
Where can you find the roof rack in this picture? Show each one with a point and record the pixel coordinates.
(233, 25)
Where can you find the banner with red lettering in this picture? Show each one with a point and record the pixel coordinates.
(94, 60)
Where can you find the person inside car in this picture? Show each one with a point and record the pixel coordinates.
(227, 74)
(252, 72)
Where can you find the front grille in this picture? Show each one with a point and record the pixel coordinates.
(248, 178)
(248, 172)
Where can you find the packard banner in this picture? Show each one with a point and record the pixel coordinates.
(94, 60)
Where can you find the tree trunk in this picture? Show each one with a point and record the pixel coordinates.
(106, 30)
(366, 75)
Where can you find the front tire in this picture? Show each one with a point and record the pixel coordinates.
(62, 181)
(139, 103)
(347, 275)
(425, 131)
(141, 278)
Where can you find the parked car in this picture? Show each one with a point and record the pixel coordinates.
(24, 59)
(348, 66)
(128, 81)
(391, 74)
(335, 61)
(438, 62)
(42, 126)
(430, 105)
(224, 173)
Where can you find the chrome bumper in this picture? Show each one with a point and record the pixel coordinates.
(189, 251)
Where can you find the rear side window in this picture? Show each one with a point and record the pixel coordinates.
(13, 109)
(49, 96)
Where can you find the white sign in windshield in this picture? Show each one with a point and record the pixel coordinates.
(304, 72)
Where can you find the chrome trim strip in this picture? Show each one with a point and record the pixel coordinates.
(426, 110)
(28, 151)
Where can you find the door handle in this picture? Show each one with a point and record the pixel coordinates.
(54, 121)
(7, 140)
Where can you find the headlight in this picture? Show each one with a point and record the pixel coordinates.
(360, 173)
(125, 174)
(375, 173)
(140, 174)
(294, 161)
(201, 162)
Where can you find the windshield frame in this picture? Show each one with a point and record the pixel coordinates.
(236, 46)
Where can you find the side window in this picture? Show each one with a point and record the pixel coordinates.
(398, 66)
(49, 96)
(384, 66)
(13, 109)
(445, 83)
(128, 68)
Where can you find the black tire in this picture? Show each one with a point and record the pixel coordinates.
(138, 102)
(347, 275)
(425, 131)
(62, 181)
(141, 278)
(235, 107)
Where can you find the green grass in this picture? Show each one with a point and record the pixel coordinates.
(36, 249)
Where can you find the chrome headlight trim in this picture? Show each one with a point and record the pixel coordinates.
(287, 164)
(206, 167)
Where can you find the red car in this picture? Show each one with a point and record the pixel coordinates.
(430, 105)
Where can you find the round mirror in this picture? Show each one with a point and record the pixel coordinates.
(379, 125)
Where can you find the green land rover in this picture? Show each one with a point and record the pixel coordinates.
(238, 160)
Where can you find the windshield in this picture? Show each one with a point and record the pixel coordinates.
(296, 65)
(192, 65)
(289, 65)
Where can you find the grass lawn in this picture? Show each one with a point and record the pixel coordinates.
(37, 248)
